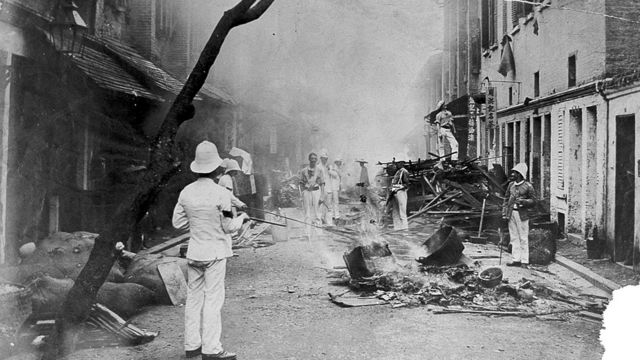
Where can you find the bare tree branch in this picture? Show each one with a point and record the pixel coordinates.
(254, 12)
(243, 6)
(161, 167)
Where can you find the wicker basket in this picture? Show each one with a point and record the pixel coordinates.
(15, 306)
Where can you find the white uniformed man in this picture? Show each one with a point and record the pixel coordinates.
(446, 130)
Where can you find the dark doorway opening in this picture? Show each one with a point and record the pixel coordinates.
(625, 184)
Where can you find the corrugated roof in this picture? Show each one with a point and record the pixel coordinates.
(119, 67)
(108, 74)
(157, 76)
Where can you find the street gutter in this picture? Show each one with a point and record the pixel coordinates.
(595, 279)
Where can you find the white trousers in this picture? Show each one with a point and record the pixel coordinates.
(205, 296)
(453, 143)
(335, 202)
(399, 211)
(331, 211)
(519, 235)
(311, 203)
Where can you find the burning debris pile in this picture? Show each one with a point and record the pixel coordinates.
(449, 282)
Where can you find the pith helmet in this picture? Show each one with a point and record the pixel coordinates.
(522, 168)
(232, 165)
(207, 158)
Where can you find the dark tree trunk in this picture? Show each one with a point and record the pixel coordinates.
(162, 166)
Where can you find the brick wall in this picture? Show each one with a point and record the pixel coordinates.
(561, 33)
(174, 50)
(141, 29)
(622, 37)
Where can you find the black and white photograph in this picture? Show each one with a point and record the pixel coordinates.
(319, 179)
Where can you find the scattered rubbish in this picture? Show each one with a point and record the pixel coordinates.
(356, 301)
(103, 327)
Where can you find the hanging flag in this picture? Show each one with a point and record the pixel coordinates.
(507, 63)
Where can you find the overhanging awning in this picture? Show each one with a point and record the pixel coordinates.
(116, 66)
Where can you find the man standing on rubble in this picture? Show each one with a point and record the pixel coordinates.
(399, 186)
(204, 207)
(312, 184)
(446, 130)
(519, 198)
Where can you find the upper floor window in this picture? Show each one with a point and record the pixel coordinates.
(572, 70)
(520, 9)
(536, 84)
(165, 17)
(489, 23)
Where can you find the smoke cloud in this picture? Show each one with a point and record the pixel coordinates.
(352, 68)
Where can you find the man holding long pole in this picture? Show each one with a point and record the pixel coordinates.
(204, 208)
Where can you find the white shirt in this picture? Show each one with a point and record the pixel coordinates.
(199, 208)
(334, 178)
(226, 181)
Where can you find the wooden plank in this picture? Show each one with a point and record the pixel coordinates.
(433, 189)
(591, 315)
(433, 205)
(174, 282)
(491, 178)
(166, 245)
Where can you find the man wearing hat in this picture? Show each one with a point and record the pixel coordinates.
(312, 182)
(519, 198)
(399, 186)
(204, 208)
(231, 168)
(446, 129)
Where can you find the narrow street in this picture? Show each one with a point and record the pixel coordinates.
(277, 307)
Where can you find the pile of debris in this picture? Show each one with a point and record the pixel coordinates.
(453, 187)
(449, 282)
(464, 194)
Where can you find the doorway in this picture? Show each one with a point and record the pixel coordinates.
(625, 188)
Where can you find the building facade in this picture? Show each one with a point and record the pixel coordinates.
(542, 69)
(76, 125)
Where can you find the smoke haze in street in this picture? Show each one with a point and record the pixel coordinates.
(352, 68)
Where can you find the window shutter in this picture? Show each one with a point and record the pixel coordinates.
(493, 21)
(504, 19)
(560, 151)
(514, 13)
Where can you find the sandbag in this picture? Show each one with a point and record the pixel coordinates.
(143, 270)
(542, 246)
(63, 255)
(125, 299)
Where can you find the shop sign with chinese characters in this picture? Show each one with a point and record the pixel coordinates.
(492, 108)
